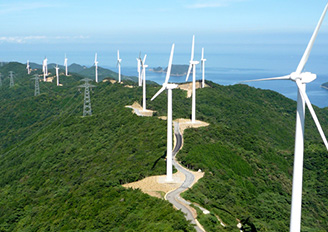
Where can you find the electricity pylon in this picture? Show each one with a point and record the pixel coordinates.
(37, 85)
(11, 76)
(87, 101)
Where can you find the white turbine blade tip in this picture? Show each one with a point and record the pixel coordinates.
(287, 77)
(168, 72)
(158, 92)
(308, 49)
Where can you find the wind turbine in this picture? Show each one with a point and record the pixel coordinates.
(28, 67)
(46, 66)
(301, 79)
(202, 60)
(119, 66)
(143, 76)
(65, 64)
(139, 66)
(45, 69)
(192, 64)
(57, 74)
(96, 68)
(169, 88)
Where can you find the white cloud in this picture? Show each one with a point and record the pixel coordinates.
(198, 4)
(38, 38)
(19, 39)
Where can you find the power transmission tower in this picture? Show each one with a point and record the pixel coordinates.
(37, 85)
(11, 76)
(87, 101)
(0, 80)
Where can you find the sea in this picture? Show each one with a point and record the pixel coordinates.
(225, 64)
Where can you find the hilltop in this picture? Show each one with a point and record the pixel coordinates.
(61, 171)
(88, 72)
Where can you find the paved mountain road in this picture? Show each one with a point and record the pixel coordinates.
(174, 196)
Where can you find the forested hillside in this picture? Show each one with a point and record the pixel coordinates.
(61, 171)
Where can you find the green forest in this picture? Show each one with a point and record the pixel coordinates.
(63, 172)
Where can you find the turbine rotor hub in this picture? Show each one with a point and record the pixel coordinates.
(305, 77)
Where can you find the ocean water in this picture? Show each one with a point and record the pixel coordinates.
(225, 65)
(226, 76)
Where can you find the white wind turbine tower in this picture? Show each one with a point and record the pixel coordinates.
(169, 88)
(96, 68)
(139, 66)
(143, 76)
(119, 66)
(301, 79)
(28, 67)
(65, 64)
(57, 74)
(192, 64)
(46, 66)
(45, 69)
(203, 68)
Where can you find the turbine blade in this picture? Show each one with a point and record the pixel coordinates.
(168, 72)
(192, 47)
(118, 54)
(314, 116)
(159, 92)
(144, 59)
(142, 72)
(307, 52)
(188, 73)
(202, 53)
(287, 77)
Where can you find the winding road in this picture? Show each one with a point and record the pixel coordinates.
(174, 196)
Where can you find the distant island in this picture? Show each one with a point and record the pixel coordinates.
(177, 70)
(325, 85)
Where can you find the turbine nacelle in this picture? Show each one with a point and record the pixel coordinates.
(171, 86)
(193, 62)
(304, 77)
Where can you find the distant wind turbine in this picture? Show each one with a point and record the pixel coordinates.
(139, 66)
(57, 74)
(28, 67)
(203, 68)
(192, 64)
(96, 68)
(301, 79)
(169, 88)
(143, 76)
(45, 69)
(119, 66)
(65, 64)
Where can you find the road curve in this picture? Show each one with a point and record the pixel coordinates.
(174, 196)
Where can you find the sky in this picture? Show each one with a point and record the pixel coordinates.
(75, 25)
